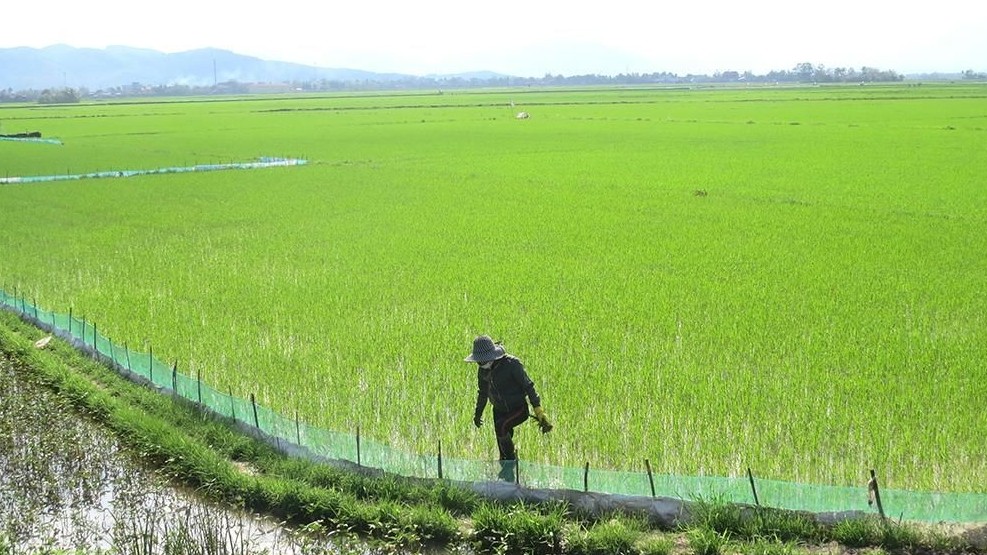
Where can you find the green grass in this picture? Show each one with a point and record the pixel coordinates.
(817, 313)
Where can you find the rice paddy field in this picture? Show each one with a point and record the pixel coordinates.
(786, 279)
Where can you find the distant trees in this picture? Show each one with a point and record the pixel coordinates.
(59, 96)
(804, 72)
(9, 95)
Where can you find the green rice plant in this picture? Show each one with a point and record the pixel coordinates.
(788, 319)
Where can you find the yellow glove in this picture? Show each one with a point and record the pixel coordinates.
(543, 422)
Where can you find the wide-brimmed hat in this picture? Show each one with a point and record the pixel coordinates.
(485, 350)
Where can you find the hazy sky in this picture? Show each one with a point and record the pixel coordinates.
(530, 37)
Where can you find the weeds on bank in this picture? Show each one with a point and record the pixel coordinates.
(868, 532)
(621, 534)
(716, 524)
(518, 528)
(754, 523)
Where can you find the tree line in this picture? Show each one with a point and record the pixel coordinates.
(802, 73)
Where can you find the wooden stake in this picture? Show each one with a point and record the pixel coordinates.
(651, 478)
(298, 430)
(874, 494)
(586, 477)
(440, 459)
(750, 476)
(253, 402)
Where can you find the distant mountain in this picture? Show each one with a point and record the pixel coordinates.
(95, 69)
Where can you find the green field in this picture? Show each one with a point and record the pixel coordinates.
(787, 279)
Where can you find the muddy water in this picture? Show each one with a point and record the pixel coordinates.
(67, 484)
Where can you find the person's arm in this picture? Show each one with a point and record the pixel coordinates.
(529, 389)
(527, 385)
(481, 398)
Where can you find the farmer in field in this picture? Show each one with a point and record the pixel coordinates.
(502, 380)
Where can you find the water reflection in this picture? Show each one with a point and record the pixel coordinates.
(66, 484)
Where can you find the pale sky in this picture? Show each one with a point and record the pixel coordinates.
(530, 37)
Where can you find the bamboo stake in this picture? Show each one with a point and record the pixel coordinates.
(651, 478)
(874, 494)
(298, 430)
(440, 459)
(750, 476)
(253, 402)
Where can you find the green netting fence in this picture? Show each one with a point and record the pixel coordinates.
(288, 431)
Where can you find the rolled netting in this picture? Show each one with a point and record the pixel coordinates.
(293, 435)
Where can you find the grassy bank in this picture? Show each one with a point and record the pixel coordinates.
(228, 467)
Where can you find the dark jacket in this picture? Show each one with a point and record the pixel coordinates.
(506, 385)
